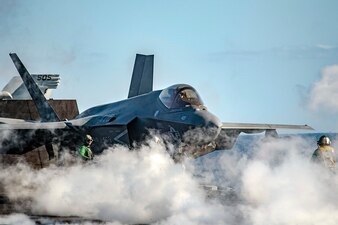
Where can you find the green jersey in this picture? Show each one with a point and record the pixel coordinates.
(86, 152)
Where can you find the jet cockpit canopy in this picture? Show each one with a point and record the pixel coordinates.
(180, 96)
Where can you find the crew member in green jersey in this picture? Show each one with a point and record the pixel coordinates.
(85, 151)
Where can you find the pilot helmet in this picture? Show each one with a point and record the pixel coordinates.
(324, 140)
(88, 139)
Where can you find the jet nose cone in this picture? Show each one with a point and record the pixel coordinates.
(211, 121)
(213, 128)
(206, 132)
(208, 118)
(214, 123)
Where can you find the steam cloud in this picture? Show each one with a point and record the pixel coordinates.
(16, 219)
(143, 186)
(325, 91)
(274, 181)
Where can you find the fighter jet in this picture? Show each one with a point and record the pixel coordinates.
(15, 89)
(176, 112)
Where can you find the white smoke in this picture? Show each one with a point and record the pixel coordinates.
(274, 182)
(16, 219)
(143, 186)
(324, 92)
(282, 186)
(21, 219)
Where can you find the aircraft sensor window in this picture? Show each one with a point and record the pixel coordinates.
(180, 96)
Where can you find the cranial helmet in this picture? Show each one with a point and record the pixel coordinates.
(324, 140)
(88, 138)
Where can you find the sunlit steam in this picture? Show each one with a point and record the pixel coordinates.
(275, 182)
(16, 219)
(271, 181)
(142, 186)
(325, 91)
(282, 186)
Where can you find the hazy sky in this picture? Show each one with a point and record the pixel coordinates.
(251, 61)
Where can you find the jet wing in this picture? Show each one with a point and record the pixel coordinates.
(230, 131)
(18, 124)
(4, 120)
(262, 127)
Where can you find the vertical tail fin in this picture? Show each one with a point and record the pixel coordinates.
(46, 112)
(142, 79)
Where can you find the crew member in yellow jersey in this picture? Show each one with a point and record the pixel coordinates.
(85, 151)
(325, 154)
